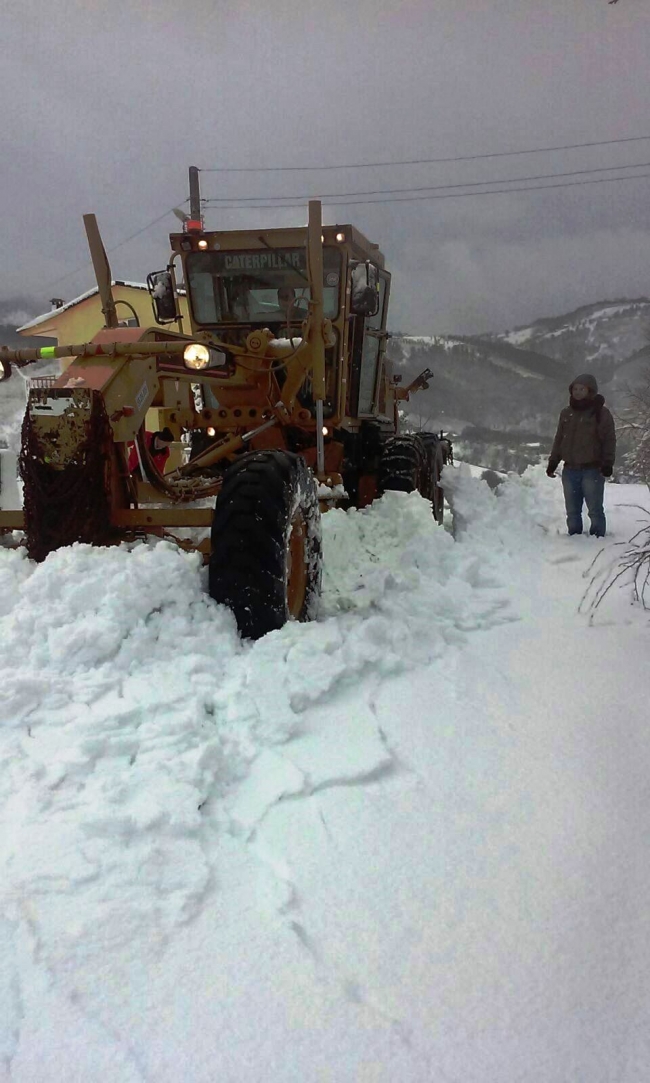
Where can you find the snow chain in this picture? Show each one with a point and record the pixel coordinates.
(70, 503)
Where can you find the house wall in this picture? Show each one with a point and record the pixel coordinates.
(82, 321)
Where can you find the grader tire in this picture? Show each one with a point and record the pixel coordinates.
(403, 465)
(414, 462)
(435, 462)
(265, 563)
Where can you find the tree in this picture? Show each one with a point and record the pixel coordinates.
(634, 429)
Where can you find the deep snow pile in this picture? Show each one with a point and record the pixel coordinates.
(201, 836)
(129, 700)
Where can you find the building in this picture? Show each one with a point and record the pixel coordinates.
(79, 320)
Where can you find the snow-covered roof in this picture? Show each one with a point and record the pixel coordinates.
(38, 320)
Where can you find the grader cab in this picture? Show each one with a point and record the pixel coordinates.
(279, 393)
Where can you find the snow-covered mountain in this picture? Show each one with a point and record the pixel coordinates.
(601, 336)
(478, 381)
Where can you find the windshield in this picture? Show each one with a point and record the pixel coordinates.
(260, 286)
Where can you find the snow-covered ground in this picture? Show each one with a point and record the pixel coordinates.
(408, 842)
(14, 398)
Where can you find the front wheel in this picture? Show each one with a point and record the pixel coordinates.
(266, 563)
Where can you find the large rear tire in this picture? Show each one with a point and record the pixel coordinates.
(265, 563)
(403, 465)
(414, 462)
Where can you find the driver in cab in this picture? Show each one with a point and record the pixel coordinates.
(292, 308)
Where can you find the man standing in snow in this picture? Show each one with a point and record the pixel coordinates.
(586, 441)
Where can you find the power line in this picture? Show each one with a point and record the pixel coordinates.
(429, 187)
(114, 248)
(447, 195)
(422, 161)
(154, 222)
(233, 204)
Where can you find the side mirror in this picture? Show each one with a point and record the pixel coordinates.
(161, 287)
(364, 299)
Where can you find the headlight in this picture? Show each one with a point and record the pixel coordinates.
(5, 369)
(196, 356)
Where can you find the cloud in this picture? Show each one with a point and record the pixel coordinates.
(260, 85)
(477, 286)
(15, 311)
(16, 318)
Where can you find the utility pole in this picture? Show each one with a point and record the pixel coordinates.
(195, 195)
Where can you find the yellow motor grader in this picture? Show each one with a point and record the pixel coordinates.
(279, 391)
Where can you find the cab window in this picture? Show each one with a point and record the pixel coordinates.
(259, 287)
(370, 353)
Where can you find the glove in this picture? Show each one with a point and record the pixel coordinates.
(551, 468)
(607, 470)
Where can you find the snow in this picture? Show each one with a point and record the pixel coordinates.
(594, 323)
(9, 492)
(608, 311)
(14, 399)
(518, 338)
(331, 492)
(285, 343)
(506, 363)
(446, 342)
(404, 842)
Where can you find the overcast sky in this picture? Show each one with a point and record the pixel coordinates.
(106, 104)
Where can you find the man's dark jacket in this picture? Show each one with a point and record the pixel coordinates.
(585, 435)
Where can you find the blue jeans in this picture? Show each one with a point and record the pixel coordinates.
(587, 485)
